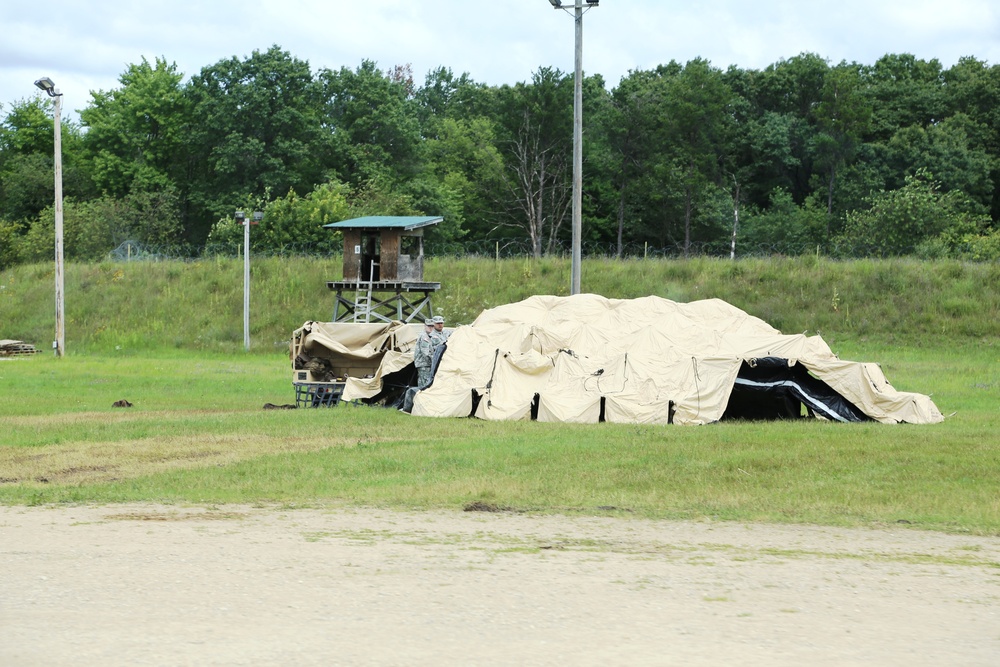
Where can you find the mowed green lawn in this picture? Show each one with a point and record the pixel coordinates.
(197, 433)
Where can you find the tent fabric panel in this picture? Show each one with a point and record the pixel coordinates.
(456, 403)
(865, 385)
(514, 411)
(356, 341)
(361, 388)
(511, 389)
(704, 399)
(472, 354)
(570, 408)
(618, 410)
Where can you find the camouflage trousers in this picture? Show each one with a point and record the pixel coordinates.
(424, 377)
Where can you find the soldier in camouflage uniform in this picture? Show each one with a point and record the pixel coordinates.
(423, 354)
(439, 332)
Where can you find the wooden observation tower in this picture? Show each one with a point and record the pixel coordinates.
(383, 270)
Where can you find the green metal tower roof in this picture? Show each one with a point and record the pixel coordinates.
(405, 222)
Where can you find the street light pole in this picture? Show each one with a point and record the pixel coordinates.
(59, 344)
(246, 222)
(246, 285)
(578, 11)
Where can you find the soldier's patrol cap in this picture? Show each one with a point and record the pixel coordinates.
(438, 318)
(429, 322)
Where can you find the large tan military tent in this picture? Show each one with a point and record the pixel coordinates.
(586, 358)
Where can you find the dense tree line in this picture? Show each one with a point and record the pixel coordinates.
(896, 157)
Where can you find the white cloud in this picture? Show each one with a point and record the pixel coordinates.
(88, 45)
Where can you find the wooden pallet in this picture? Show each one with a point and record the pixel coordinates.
(16, 348)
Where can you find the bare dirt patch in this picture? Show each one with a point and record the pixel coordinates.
(236, 585)
(176, 515)
(71, 463)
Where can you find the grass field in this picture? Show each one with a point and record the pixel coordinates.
(197, 433)
(167, 336)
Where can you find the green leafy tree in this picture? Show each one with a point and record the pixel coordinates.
(904, 91)
(372, 122)
(791, 89)
(294, 222)
(981, 247)
(946, 150)
(897, 221)
(620, 151)
(444, 198)
(227, 235)
(137, 135)
(843, 116)
(446, 96)
(27, 128)
(792, 86)
(459, 158)
(784, 226)
(859, 179)
(972, 87)
(27, 184)
(773, 153)
(463, 163)
(696, 104)
(10, 238)
(256, 126)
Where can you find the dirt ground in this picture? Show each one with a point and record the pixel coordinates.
(175, 585)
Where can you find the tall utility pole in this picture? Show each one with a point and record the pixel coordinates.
(59, 344)
(574, 286)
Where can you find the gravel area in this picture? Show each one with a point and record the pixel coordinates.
(226, 585)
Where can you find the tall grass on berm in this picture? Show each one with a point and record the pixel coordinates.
(140, 306)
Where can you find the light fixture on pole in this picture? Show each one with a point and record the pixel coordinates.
(578, 9)
(242, 220)
(59, 344)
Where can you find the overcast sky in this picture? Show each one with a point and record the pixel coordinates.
(86, 46)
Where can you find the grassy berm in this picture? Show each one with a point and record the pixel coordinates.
(145, 306)
(167, 336)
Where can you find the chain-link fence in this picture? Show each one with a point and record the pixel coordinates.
(515, 248)
(508, 248)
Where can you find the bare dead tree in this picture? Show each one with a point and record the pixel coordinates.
(736, 215)
(539, 188)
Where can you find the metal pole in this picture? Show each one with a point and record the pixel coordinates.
(577, 152)
(246, 284)
(60, 342)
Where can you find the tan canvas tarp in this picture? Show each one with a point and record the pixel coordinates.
(361, 353)
(640, 356)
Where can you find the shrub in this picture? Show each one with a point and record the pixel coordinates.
(900, 220)
(94, 228)
(9, 238)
